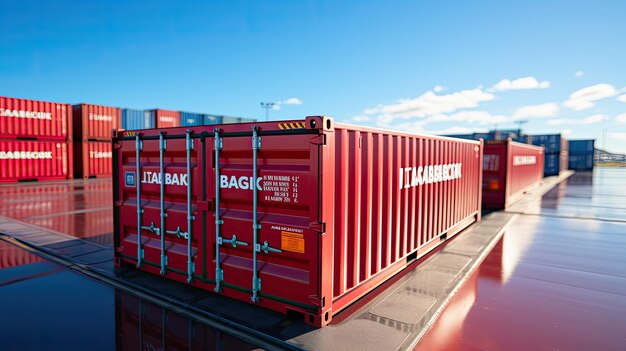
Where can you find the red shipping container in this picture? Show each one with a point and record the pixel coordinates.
(165, 118)
(21, 118)
(509, 169)
(320, 213)
(95, 123)
(92, 159)
(22, 160)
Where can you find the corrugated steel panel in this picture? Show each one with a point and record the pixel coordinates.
(191, 119)
(230, 120)
(34, 160)
(95, 158)
(93, 122)
(136, 119)
(213, 119)
(552, 164)
(21, 118)
(340, 208)
(164, 118)
(553, 143)
(509, 169)
(581, 162)
(581, 146)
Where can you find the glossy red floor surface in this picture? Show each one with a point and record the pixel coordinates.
(554, 281)
(80, 208)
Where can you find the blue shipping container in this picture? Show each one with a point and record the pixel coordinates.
(551, 142)
(213, 119)
(136, 119)
(581, 146)
(191, 119)
(552, 165)
(581, 162)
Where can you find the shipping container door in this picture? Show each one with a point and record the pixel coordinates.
(286, 212)
(163, 203)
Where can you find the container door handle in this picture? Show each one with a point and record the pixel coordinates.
(266, 248)
(233, 241)
(137, 181)
(219, 272)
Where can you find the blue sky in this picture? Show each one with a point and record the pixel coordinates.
(412, 65)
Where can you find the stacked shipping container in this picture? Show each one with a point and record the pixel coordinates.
(581, 154)
(556, 152)
(93, 126)
(164, 118)
(35, 140)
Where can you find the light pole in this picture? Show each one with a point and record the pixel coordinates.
(267, 106)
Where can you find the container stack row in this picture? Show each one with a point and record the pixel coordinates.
(42, 140)
(35, 140)
(581, 155)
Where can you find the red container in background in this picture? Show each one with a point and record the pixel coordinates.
(165, 118)
(22, 160)
(340, 208)
(21, 118)
(95, 123)
(509, 169)
(92, 159)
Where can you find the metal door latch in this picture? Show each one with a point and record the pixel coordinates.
(266, 248)
(233, 241)
(152, 228)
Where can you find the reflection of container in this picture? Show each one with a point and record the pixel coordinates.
(13, 256)
(22, 160)
(340, 208)
(509, 169)
(41, 120)
(141, 325)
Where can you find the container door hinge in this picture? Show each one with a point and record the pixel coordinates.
(319, 227)
(319, 140)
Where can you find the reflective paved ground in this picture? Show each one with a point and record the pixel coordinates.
(555, 281)
(45, 306)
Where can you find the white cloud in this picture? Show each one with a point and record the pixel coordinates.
(594, 119)
(475, 117)
(523, 83)
(566, 132)
(578, 105)
(583, 99)
(429, 104)
(438, 89)
(621, 118)
(622, 98)
(579, 73)
(536, 111)
(291, 101)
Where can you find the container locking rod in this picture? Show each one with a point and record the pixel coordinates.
(162, 147)
(138, 147)
(219, 273)
(190, 217)
(256, 281)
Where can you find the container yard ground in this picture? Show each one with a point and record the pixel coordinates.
(395, 316)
